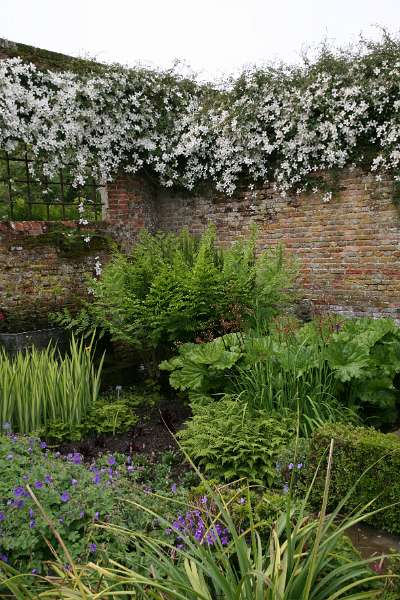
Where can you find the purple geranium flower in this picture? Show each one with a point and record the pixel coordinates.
(111, 460)
(173, 488)
(2, 516)
(32, 524)
(38, 485)
(92, 548)
(19, 491)
(65, 496)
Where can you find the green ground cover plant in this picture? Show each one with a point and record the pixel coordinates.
(76, 496)
(301, 556)
(38, 387)
(360, 451)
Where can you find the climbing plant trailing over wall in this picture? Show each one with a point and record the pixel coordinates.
(278, 124)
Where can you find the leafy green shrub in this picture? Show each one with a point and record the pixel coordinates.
(271, 372)
(356, 450)
(38, 387)
(364, 356)
(329, 371)
(174, 288)
(229, 441)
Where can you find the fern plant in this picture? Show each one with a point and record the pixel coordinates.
(176, 288)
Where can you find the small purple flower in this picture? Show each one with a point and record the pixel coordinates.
(130, 468)
(4, 558)
(34, 571)
(300, 465)
(61, 520)
(19, 491)
(48, 479)
(2, 516)
(96, 479)
(30, 450)
(75, 457)
(242, 500)
(31, 513)
(204, 499)
(19, 504)
(64, 497)
(43, 445)
(111, 460)
(74, 481)
(38, 485)
(290, 466)
(10, 456)
(285, 488)
(96, 516)
(82, 514)
(32, 524)
(92, 548)
(173, 488)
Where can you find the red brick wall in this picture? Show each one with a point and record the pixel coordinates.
(349, 248)
(36, 277)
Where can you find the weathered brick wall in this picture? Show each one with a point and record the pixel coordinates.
(349, 248)
(38, 275)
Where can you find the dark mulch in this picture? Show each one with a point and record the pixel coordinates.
(151, 436)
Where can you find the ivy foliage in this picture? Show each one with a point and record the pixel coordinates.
(278, 124)
(175, 288)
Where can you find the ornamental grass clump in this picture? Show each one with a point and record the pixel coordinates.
(39, 387)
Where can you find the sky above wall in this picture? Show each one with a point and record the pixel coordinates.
(214, 37)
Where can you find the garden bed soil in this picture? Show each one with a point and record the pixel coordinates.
(152, 436)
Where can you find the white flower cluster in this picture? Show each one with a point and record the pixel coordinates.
(275, 125)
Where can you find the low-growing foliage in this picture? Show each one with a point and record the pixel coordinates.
(38, 387)
(230, 441)
(75, 497)
(300, 557)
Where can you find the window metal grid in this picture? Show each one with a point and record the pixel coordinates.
(23, 197)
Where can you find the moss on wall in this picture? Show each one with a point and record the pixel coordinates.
(46, 59)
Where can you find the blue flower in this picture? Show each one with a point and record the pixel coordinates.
(48, 479)
(300, 465)
(43, 445)
(4, 557)
(38, 485)
(290, 466)
(92, 548)
(173, 488)
(19, 491)
(32, 524)
(65, 497)
(2, 516)
(111, 460)
(74, 481)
